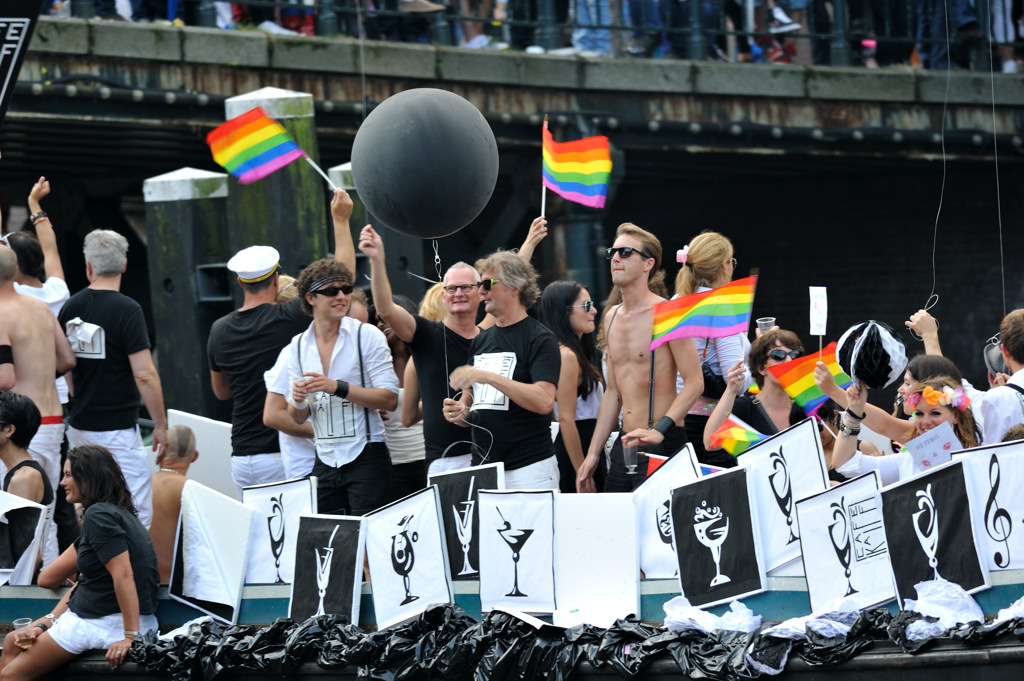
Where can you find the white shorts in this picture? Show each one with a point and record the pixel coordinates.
(78, 635)
(540, 475)
(130, 455)
(257, 469)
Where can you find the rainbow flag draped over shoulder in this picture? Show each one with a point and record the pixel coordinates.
(720, 312)
(797, 377)
(736, 436)
(252, 146)
(577, 171)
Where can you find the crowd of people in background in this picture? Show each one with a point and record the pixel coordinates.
(373, 393)
(926, 33)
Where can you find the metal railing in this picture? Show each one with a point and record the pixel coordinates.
(838, 32)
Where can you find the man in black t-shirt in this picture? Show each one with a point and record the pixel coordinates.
(246, 342)
(508, 392)
(437, 347)
(108, 335)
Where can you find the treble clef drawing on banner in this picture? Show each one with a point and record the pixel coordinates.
(998, 523)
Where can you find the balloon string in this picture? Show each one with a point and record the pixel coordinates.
(437, 259)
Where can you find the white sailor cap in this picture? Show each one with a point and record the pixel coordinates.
(255, 263)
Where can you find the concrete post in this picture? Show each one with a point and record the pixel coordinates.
(547, 34)
(326, 19)
(287, 209)
(206, 14)
(840, 50)
(186, 224)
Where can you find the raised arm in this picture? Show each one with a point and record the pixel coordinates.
(402, 323)
(538, 230)
(733, 386)
(341, 212)
(927, 328)
(44, 230)
(874, 418)
(148, 382)
(846, 443)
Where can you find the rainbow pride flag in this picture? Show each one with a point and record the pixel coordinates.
(252, 146)
(797, 377)
(723, 311)
(736, 436)
(577, 171)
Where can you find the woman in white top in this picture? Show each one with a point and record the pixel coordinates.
(938, 400)
(707, 262)
(567, 309)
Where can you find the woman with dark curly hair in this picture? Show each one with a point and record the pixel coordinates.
(116, 596)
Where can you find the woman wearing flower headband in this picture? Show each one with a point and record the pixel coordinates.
(934, 402)
(706, 263)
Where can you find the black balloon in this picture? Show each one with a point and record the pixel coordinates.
(425, 163)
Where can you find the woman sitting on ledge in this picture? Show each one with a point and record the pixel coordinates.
(116, 596)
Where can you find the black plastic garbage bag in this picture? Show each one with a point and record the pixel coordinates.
(722, 655)
(517, 651)
(978, 633)
(897, 630)
(409, 651)
(868, 626)
(343, 644)
(629, 645)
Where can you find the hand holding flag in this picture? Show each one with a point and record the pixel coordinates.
(797, 378)
(736, 436)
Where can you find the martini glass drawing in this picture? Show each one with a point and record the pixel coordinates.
(275, 527)
(403, 557)
(515, 540)
(707, 525)
(784, 491)
(839, 535)
(323, 569)
(464, 527)
(928, 536)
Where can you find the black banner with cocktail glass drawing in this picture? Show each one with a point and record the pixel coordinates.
(328, 567)
(460, 514)
(17, 22)
(716, 539)
(929, 532)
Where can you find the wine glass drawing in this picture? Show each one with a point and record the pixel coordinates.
(839, 534)
(402, 555)
(275, 527)
(323, 569)
(929, 535)
(464, 527)
(663, 519)
(784, 491)
(515, 540)
(707, 525)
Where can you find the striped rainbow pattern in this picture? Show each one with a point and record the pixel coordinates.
(736, 436)
(717, 313)
(577, 171)
(797, 377)
(252, 146)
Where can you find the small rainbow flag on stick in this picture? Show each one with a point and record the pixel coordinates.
(717, 313)
(577, 171)
(797, 377)
(252, 146)
(736, 436)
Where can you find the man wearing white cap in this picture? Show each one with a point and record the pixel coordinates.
(245, 343)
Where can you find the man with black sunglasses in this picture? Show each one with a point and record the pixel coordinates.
(246, 342)
(640, 383)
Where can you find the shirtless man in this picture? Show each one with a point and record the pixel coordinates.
(635, 259)
(168, 482)
(38, 352)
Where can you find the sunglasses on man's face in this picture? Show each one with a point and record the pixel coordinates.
(488, 284)
(780, 355)
(332, 291)
(587, 306)
(624, 252)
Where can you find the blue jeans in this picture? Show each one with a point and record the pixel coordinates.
(961, 14)
(644, 14)
(594, 13)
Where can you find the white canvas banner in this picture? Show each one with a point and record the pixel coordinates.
(995, 479)
(408, 558)
(20, 569)
(595, 553)
(784, 469)
(208, 571)
(654, 521)
(277, 508)
(517, 550)
(842, 541)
